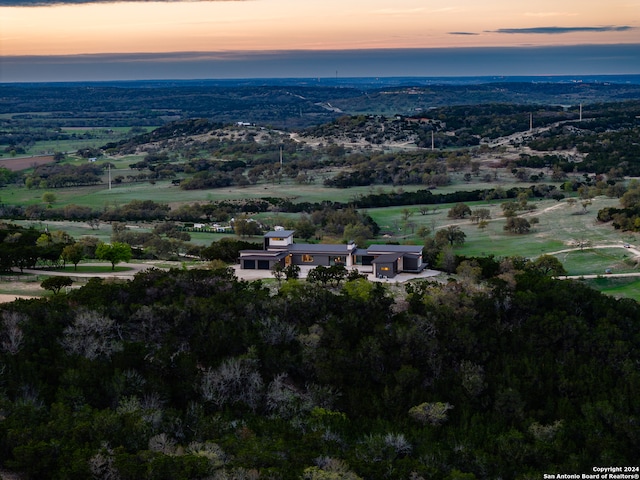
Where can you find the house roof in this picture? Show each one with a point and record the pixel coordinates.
(382, 249)
(279, 234)
(332, 249)
(262, 255)
(387, 258)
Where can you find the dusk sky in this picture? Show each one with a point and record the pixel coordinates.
(43, 40)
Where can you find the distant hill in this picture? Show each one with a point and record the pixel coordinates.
(290, 103)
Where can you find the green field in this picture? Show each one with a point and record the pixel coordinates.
(598, 261)
(616, 287)
(163, 191)
(81, 137)
(559, 228)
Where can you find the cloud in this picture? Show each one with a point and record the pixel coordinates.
(463, 33)
(560, 30)
(53, 3)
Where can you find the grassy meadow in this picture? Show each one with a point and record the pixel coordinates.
(625, 287)
(79, 138)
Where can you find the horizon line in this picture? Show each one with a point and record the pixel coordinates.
(227, 53)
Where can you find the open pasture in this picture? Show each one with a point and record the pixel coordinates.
(559, 227)
(598, 261)
(18, 164)
(163, 191)
(616, 287)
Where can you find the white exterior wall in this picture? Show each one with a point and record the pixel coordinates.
(280, 241)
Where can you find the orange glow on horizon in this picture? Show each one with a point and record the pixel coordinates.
(262, 25)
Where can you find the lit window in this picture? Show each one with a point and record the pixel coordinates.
(385, 269)
(307, 258)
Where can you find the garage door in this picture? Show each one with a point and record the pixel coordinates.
(249, 264)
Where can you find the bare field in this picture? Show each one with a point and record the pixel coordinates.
(22, 163)
(13, 289)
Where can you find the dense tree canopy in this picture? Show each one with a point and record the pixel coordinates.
(194, 374)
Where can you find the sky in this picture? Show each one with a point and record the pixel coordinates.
(66, 40)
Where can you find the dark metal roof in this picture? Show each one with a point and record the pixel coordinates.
(279, 233)
(263, 253)
(387, 258)
(394, 249)
(319, 248)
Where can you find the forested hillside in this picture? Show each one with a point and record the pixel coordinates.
(194, 374)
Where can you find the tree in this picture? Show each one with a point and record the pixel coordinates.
(509, 209)
(452, 235)
(358, 232)
(480, 214)
(469, 271)
(447, 260)
(11, 334)
(89, 245)
(48, 198)
(424, 231)
(325, 275)
(304, 228)
(406, 214)
(55, 284)
(517, 225)
(338, 273)
(115, 253)
(73, 254)
(92, 335)
(459, 210)
(548, 265)
(246, 227)
(94, 223)
(278, 272)
(292, 271)
(434, 413)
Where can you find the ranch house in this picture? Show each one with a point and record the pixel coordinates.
(379, 260)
